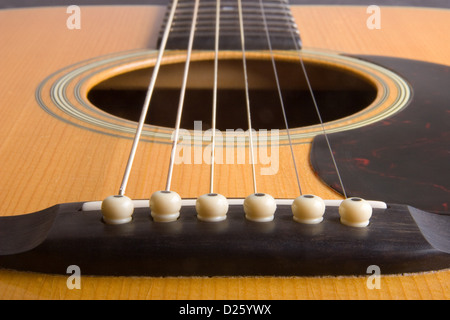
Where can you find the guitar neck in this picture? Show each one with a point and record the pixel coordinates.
(275, 15)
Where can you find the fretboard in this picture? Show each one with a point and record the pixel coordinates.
(283, 31)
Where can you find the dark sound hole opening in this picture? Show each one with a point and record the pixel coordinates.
(339, 93)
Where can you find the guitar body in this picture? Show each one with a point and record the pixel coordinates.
(48, 160)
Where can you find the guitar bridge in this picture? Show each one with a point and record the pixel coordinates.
(399, 239)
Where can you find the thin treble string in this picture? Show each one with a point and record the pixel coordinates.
(279, 93)
(214, 107)
(182, 95)
(244, 63)
(297, 48)
(148, 97)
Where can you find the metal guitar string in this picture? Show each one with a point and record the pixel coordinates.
(214, 104)
(279, 92)
(182, 94)
(297, 49)
(244, 64)
(180, 108)
(147, 99)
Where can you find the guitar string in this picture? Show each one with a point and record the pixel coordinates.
(148, 97)
(214, 106)
(316, 106)
(247, 98)
(280, 95)
(182, 95)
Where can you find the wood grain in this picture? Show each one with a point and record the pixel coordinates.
(45, 162)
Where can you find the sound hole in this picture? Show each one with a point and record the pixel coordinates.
(339, 93)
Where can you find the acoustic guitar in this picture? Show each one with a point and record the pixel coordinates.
(168, 153)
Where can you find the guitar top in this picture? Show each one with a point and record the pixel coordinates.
(61, 143)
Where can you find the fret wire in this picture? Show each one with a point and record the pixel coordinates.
(248, 32)
(229, 10)
(280, 95)
(244, 63)
(236, 31)
(231, 25)
(181, 26)
(231, 35)
(228, 15)
(275, 4)
(146, 105)
(182, 95)
(231, 19)
(254, 18)
(214, 109)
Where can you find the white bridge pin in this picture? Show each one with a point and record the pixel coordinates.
(211, 207)
(117, 209)
(355, 212)
(165, 206)
(308, 209)
(260, 207)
